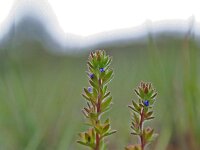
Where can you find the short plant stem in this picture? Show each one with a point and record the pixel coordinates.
(141, 130)
(97, 141)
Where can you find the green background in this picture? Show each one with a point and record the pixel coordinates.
(40, 93)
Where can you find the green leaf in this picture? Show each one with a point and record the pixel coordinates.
(94, 62)
(95, 85)
(150, 118)
(104, 89)
(85, 113)
(97, 129)
(148, 133)
(136, 118)
(87, 98)
(106, 109)
(153, 96)
(106, 103)
(150, 93)
(106, 128)
(90, 65)
(137, 93)
(108, 62)
(149, 114)
(106, 95)
(88, 94)
(108, 76)
(134, 133)
(107, 121)
(94, 79)
(95, 93)
(136, 106)
(131, 107)
(135, 128)
(110, 133)
(141, 93)
(85, 144)
(105, 60)
(87, 110)
(93, 115)
(91, 70)
(154, 136)
(87, 137)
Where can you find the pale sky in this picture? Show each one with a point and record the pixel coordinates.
(89, 17)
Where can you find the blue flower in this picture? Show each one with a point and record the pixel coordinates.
(90, 89)
(101, 70)
(146, 103)
(91, 75)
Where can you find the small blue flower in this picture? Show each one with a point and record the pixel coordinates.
(90, 89)
(101, 70)
(146, 103)
(91, 75)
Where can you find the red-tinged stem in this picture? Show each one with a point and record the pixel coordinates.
(97, 141)
(141, 130)
(97, 135)
(97, 147)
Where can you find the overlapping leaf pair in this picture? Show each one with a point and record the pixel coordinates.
(99, 100)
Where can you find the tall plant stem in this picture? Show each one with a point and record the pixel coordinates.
(98, 105)
(97, 135)
(141, 130)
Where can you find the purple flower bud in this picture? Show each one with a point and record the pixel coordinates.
(90, 89)
(101, 70)
(146, 103)
(91, 75)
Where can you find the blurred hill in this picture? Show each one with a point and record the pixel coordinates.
(29, 32)
(35, 23)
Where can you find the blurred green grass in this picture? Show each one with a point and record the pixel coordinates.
(40, 94)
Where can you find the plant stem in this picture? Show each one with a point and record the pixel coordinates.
(97, 141)
(98, 119)
(97, 135)
(141, 129)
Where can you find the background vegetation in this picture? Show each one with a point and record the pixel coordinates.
(40, 93)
